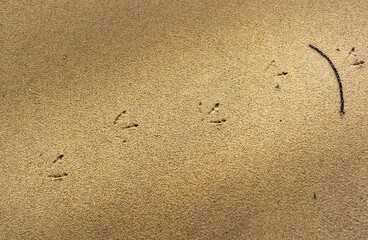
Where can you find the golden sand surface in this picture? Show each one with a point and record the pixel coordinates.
(183, 119)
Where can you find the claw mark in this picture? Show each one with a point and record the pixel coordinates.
(269, 65)
(215, 108)
(117, 118)
(221, 121)
(282, 74)
(199, 107)
(352, 50)
(357, 63)
(133, 125)
(33, 92)
(58, 176)
(336, 74)
(58, 158)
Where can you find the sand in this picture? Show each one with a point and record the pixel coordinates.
(183, 120)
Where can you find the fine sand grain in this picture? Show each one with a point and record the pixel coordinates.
(183, 119)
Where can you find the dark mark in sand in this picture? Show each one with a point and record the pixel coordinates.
(117, 118)
(282, 74)
(269, 65)
(58, 158)
(357, 63)
(133, 125)
(58, 176)
(352, 50)
(221, 121)
(215, 108)
(342, 111)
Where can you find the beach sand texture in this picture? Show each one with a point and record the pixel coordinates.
(183, 120)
